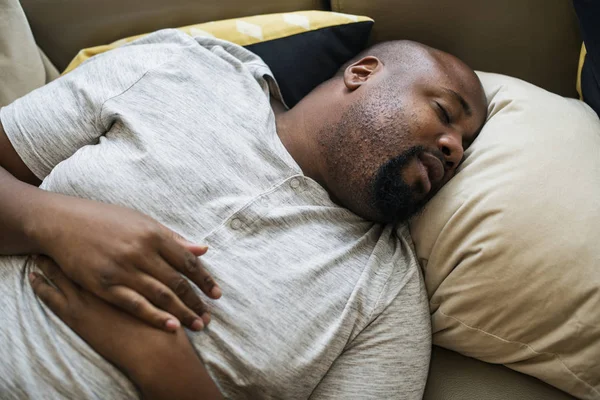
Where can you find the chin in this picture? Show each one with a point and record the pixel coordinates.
(368, 213)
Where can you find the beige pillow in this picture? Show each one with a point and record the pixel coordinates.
(511, 246)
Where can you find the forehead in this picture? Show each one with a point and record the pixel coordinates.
(451, 73)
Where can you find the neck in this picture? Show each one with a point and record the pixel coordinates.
(299, 129)
(297, 134)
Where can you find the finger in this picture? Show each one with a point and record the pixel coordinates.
(170, 291)
(192, 268)
(196, 249)
(53, 298)
(138, 306)
(189, 265)
(54, 274)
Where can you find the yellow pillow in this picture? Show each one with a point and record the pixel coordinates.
(303, 48)
(245, 31)
(582, 55)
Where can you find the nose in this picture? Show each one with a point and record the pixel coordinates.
(450, 144)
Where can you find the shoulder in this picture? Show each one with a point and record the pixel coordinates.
(391, 287)
(123, 66)
(399, 270)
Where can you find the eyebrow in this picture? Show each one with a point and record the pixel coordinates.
(463, 103)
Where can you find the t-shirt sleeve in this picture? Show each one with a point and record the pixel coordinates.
(389, 359)
(51, 123)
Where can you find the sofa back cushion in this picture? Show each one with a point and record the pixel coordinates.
(303, 48)
(535, 40)
(63, 27)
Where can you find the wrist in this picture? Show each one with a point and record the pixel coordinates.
(39, 221)
(173, 371)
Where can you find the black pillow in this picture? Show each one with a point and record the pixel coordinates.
(303, 61)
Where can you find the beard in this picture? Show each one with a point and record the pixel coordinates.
(366, 152)
(381, 196)
(392, 198)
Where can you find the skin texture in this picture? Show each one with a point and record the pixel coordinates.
(163, 365)
(373, 136)
(378, 112)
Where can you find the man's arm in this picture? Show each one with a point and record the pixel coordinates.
(35, 221)
(17, 200)
(126, 258)
(163, 365)
(11, 162)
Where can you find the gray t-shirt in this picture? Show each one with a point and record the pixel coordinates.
(317, 302)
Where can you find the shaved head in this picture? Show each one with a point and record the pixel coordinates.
(400, 54)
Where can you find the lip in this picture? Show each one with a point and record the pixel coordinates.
(435, 169)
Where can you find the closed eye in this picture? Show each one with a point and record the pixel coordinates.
(443, 113)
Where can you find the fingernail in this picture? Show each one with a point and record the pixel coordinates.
(216, 292)
(197, 325)
(32, 277)
(206, 318)
(172, 324)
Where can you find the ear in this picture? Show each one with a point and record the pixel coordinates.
(361, 71)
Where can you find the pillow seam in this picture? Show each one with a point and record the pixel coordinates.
(589, 386)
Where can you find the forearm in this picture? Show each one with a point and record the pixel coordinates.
(182, 383)
(19, 205)
(171, 370)
(30, 218)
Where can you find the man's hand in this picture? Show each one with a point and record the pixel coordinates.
(127, 259)
(163, 365)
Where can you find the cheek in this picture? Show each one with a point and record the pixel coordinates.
(426, 131)
(424, 125)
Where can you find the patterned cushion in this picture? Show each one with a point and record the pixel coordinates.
(587, 82)
(303, 49)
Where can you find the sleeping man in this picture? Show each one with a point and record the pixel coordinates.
(147, 155)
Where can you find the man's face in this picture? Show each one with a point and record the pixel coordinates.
(401, 140)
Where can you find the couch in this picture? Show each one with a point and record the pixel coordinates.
(535, 40)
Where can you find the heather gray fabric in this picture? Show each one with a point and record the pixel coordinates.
(316, 301)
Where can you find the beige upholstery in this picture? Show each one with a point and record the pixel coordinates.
(62, 28)
(535, 40)
(22, 66)
(455, 377)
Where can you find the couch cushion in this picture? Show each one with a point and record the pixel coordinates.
(535, 40)
(63, 27)
(302, 48)
(456, 377)
(510, 245)
(22, 66)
